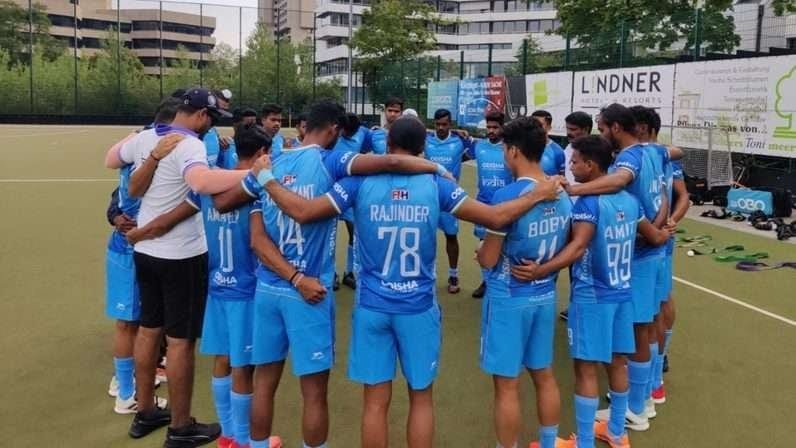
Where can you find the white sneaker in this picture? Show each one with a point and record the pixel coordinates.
(632, 421)
(649, 409)
(113, 387)
(130, 405)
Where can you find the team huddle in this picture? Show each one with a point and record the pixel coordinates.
(232, 241)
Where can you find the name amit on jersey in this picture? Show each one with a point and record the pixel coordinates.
(399, 212)
(620, 231)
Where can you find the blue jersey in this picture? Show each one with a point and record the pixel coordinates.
(212, 146)
(676, 174)
(492, 171)
(309, 172)
(377, 141)
(128, 205)
(603, 273)
(295, 142)
(228, 158)
(647, 166)
(538, 235)
(448, 152)
(277, 144)
(396, 240)
(553, 160)
(356, 143)
(231, 261)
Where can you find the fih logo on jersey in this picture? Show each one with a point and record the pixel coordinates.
(620, 216)
(400, 195)
(288, 179)
(549, 211)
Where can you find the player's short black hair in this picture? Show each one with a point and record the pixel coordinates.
(408, 133)
(442, 113)
(166, 110)
(580, 119)
(270, 108)
(526, 134)
(324, 113)
(249, 139)
(240, 113)
(595, 148)
(496, 116)
(301, 117)
(394, 101)
(349, 124)
(646, 116)
(548, 117)
(617, 113)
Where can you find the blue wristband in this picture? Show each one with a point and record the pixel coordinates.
(251, 185)
(264, 177)
(441, 170)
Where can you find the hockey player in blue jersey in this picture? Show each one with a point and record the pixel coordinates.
(553, 160)
(519, 317)
(600, 324)
(271, 121)
(301, 130)
(492, 173)
(448, 149)
(293, 304)
(393, 108)
(640, 172)
(396, 315)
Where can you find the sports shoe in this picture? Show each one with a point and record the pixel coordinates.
(349, 280)
(144, 423)
(564, 315)
(453, 285)
(560, 443)
(480, 291)
(113, 387)
(227, 442)
(160, 376)
(601, 432)
(191, 435)
(336, 283)
(130, 405)
(659, 395)
(273, 442)
(632, 421)
(649, 409)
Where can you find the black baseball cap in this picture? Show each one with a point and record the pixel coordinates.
(204, 99)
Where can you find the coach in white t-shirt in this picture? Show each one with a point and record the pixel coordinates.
(172, 270)
(579, 124)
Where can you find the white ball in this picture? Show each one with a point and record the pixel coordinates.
(691, 253)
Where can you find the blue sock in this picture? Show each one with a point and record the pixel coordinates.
(616, 424)
(667, 338)
(124, 369)
(585, 411)
(453, 272)
(653, 367)
(349, 261)
(657, 378)
(547, 436)
(259, 443)
(221, 397)
(241, 410)
(638, 374)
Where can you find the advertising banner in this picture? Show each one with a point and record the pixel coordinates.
(749, 105)
(651, 86)
(443, 95)
(553, 93)
(479, 96)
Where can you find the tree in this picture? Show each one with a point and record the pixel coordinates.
(783, 6)
(14, 35)
(602, 27)
(536, 60)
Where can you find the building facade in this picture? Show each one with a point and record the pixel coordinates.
(85, 24)
(287, 19)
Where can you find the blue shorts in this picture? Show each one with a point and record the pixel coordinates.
(516, 335)
(122, 301)
(282, 320)
(595, 331)
(448, 223)
(644, 276)
(663, 285)
(227, 330)
(377, 339)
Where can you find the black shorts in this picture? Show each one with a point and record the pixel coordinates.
(173, 294)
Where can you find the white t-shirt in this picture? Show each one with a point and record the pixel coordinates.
(167, 191)
(568, 168)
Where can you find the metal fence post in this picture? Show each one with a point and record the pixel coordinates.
(524, 56)
(278, 57)
(567, 51)
(761, 11)
(439, 67)
(74, 10)
(119, 97)
(622, 44)
(240, 54)
(698, 34)
(489, 62)
(314, 53)
(403, 85)
(461, 64)
(160, 45)
(417, 84)
(201, 41)
(30, 50)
